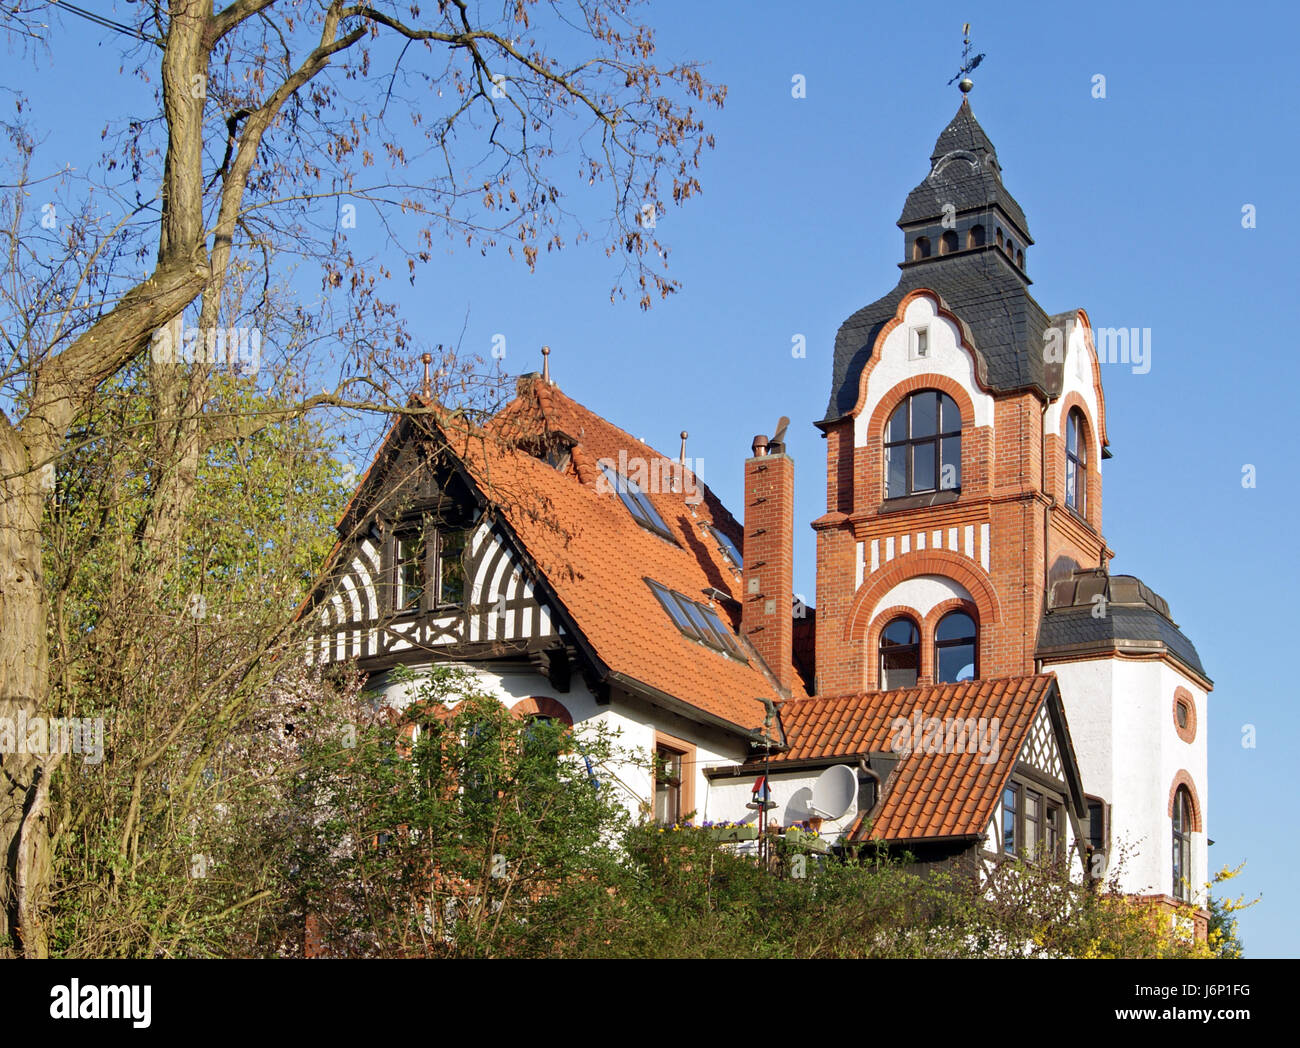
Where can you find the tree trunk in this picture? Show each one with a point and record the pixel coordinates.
(24, 783)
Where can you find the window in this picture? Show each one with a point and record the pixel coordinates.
(1076, 462)
(428, 574)
(948, 243)
(451, 567)
(1096, 824)
(1032, 824)
(975, 236)
(697, 621)
(954, 648)
(641, 508)
(1053, 839)
(1011, 820)
(1183, 845)
(668, 786)
(727, 546)
(920, 248)
(408, 571)
(920, 348)
(923, 445)
(900, 654)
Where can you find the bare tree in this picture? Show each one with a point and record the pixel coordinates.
(277, 120)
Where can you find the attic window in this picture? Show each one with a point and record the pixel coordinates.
(641, 508)
(727, 546)
(699, 622)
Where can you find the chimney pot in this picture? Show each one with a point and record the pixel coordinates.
(760, 445)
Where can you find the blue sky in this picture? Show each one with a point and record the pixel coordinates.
(1135, 205)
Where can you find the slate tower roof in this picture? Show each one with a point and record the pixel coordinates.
(964, 237)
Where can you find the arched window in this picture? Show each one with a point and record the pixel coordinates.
(999, 237)
(1020, 260)
(920, 248)
(900, 654)
(1076, 462)
(975, 236)
(1183, 845)
(948, 243)
(955, 640)
(923, 445)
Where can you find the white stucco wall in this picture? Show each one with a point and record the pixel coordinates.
(791, 791)
(632, 730)
(1121, 720)
(1080, 375)
(947, 356)
(921, 593)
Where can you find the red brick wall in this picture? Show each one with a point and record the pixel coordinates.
(768, 576)
(1002, 486)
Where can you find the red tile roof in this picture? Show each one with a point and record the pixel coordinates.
(595, 557)
(929, 795)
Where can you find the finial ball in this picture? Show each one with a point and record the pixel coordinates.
(427, 358)
(966, 84)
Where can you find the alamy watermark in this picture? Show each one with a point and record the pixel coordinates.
(240, 348)
(47, 736)
(921, 734)
(656, 476)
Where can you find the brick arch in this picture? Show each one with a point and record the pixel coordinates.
(915, 384)
(870, 653)
(923, 562)
(1092, 475)
(541, 706)
(1184, 779)
(1187, 734)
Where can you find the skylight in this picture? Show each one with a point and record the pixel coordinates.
(641, 508)
(697, 621)
(728, 547)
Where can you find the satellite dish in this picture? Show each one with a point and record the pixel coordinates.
(834, 791)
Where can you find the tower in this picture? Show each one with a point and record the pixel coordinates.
(962, 537)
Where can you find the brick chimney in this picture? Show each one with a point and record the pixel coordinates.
(767, 619)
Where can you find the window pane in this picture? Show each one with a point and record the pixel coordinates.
(451, 568)
(898, 671)
(1009, 820)
(896, 471)
(925, 414)
(1071, 484)
(1072, 434)
(410, 576)
(900, 631)
(956, 663)
(923, 466)
(897, 428)
(674, 610)
(956, 625)
(950, 476)
(949, 414)
(720, 628)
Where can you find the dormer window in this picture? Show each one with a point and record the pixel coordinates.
(428, 568)
(923, 445)
(1076, 463)
(641, 508)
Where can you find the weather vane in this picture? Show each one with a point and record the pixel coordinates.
(968, 63)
